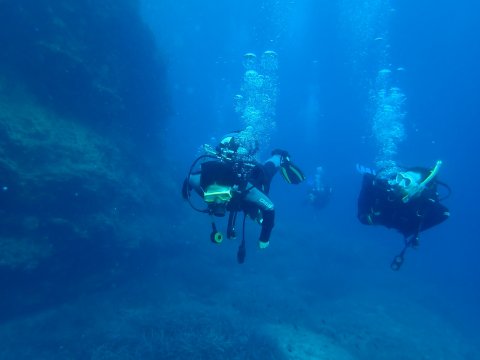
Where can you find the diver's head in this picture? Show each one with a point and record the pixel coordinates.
(407, 180)
(228, 144)
(236, 144)
(412, 182)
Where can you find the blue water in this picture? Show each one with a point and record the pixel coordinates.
(323, 289)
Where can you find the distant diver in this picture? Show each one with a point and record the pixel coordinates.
(406, 200)
(229, 179)
(319, 192)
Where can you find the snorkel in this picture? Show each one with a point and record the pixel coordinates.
(414, 190)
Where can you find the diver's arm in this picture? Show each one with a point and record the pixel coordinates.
(194, 183)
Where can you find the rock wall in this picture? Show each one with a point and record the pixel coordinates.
(91, 60)
(82, 96)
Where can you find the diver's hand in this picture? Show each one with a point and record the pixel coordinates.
(282, 153)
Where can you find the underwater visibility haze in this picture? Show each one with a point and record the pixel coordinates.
(106, 107)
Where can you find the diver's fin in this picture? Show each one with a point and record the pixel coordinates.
(291, 173)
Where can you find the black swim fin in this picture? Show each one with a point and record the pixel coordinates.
(291, 173)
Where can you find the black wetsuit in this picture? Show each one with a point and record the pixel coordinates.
(252, 182)
(380, 204)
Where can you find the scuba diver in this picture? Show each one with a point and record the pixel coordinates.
(231, 180)
(407, 200)
(319, 193)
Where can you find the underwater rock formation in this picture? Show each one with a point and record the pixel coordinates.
(92, 60)
(82, 96)
(61, 184)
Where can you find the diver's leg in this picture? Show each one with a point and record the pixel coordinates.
(267, 226)
(261, 201)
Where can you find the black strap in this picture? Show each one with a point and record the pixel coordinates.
(242, 251)
(412, 242)
(397, 261)
(232, 219)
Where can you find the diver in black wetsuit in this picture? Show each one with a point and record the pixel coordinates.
(407, 201)
(319, 192)
(231, 180)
